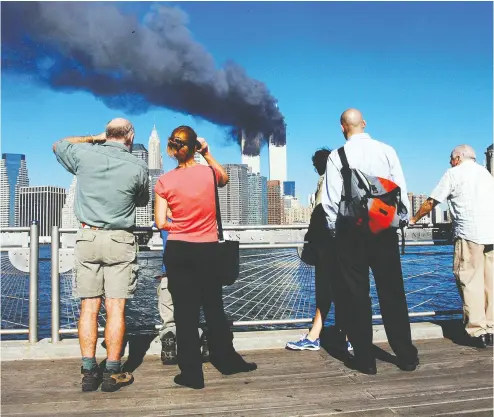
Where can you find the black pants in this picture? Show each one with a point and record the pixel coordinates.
(326, 271)
(193, 283)
(357, 251)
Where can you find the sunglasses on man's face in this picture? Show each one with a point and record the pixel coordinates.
(176, 143)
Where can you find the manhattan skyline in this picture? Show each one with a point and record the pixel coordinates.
(421, 73)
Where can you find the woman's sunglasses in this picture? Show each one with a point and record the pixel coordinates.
(176, 143)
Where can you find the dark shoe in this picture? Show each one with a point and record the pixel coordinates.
(489, 339)
(368, 369)
(233, 365)
(204, 347)
(409, 367)
(195, 383)
(169, 349)
(479, 341)
(113, 382)
(91, 379)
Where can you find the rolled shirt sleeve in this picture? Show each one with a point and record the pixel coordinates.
(66, 154)
(331, 190)
(443, 188)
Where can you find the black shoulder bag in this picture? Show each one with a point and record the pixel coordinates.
(228, 250)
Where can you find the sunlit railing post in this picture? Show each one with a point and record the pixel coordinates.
(55, 285)
(33, 281)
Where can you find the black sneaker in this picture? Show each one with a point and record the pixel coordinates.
(410, 366)
(233, 364)
(91, 379)
(114, 381)
(195, 383)
(169, 349)
(479, 341)
(204, 347)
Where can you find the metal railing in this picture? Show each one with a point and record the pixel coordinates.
(274, 276)
(33, 269)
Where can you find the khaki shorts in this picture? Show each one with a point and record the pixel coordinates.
(105, 264)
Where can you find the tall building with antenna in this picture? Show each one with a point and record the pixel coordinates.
(154, 151)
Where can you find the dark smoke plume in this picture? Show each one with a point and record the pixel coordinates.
(132, 65)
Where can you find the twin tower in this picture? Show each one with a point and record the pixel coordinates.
(277, 161)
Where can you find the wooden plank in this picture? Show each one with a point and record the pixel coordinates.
(286, 383)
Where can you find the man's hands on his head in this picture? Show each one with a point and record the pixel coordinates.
(204, 149)
(99, 138)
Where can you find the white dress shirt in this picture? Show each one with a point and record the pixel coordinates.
(469, 188)
(369, 156)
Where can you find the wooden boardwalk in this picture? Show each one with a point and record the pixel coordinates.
(451, 380)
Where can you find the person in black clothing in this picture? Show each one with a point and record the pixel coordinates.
(358, 249)
(321, 243)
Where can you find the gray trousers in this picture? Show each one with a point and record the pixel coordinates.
(165, 307)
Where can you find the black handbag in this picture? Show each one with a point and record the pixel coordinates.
(309, 254)
(316, 233)
(228, 259)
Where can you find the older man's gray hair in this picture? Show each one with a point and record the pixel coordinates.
(464, 152)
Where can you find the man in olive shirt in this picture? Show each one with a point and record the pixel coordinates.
(111, 183)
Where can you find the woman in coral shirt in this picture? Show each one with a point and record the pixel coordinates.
(191, 257)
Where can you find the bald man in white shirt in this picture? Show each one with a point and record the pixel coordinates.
(359, 250)
(469, 189)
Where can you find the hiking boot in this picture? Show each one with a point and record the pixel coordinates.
(169, 349)
(304, 344)
(91, 379)
(204, 347)
(114, 381)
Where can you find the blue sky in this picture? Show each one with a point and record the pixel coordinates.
(420, 72)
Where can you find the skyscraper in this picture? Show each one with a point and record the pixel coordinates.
(69, 221)
(289, 188)
(258, 199)
(42, 203)
(144, 214)
(155, 159)
(277, 163)
(140, 151)
(275, 203)
(489, 160)
(14, 175)
(253, 162)
(417, 201)
(234, 196)
(4, 195)
(154, 175)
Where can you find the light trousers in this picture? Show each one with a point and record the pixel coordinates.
(473, 270)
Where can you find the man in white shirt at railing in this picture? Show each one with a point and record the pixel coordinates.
(469, 189)
(358, 249)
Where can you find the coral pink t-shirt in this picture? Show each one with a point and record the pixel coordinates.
(191, 199)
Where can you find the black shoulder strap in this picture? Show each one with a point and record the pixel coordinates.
(342, 155)
(345, 173)
(218, 211)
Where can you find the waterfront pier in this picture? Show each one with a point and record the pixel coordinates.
(270, 304)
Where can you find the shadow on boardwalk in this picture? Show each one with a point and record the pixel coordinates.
(451, 380)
